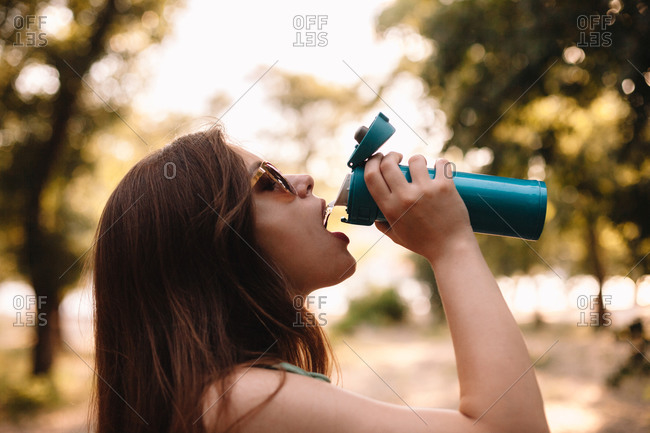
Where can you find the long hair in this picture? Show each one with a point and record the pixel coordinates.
(182, 292)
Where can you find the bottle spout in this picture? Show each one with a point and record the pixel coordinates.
(340, 200)
(342, 196)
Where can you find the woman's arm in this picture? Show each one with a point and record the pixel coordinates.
(428, 217)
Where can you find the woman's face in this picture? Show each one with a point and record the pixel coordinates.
(290, 230)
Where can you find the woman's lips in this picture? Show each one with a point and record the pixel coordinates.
(341, 236)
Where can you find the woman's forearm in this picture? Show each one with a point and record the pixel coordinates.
(497, 384)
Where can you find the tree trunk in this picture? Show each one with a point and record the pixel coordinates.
(48, 334)
(46, 288)
(37, 249)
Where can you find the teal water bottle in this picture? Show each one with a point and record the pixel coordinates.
(497, 205)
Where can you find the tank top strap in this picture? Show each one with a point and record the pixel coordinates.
(296, 370)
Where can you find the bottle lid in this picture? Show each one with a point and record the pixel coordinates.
(375, 136)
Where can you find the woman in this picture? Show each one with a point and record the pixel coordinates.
(199, 253)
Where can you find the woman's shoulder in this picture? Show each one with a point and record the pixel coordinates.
(261, 397)
(247, 389)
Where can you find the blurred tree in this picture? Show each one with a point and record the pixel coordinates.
(65, 71)
(557, 91)
(314, 111)
(379, 307)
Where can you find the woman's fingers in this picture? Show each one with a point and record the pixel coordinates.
(383, 176)
(392, 174)
(444, 174)
(418, 169)
(446, 169)
(374, 180)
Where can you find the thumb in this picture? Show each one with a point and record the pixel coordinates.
(386, 229)
(382, 226)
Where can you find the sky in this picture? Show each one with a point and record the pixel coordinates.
(213, 47)
(231, 49)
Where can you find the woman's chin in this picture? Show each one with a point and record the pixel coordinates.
(351, 269)
(334, 278)
(347, 271)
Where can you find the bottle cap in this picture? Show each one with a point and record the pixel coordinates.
(370, 139)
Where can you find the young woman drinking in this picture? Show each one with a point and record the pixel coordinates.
(199, 253)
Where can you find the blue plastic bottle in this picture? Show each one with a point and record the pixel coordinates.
(496, 205)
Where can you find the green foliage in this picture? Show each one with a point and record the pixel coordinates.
(512, 78)
(20, 399)
(20, 394)
(378, 308)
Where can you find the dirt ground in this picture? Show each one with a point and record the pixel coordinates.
(415, 365)
(420, 369)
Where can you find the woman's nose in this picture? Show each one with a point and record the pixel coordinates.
(303, 183)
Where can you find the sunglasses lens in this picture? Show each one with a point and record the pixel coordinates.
(277, 176)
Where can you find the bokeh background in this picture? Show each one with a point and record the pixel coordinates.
(554, 91)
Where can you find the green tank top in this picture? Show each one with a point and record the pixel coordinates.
(297, 370)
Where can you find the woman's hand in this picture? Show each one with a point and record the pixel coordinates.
(427, 215)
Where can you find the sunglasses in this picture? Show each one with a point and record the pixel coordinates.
(267, 172)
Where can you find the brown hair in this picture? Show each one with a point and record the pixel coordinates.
(182, 292)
